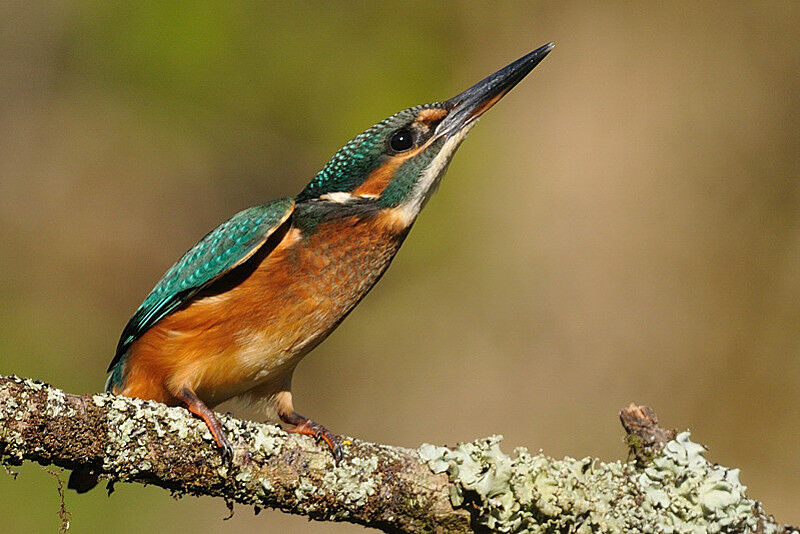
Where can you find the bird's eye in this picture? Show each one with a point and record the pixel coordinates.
(401, 140)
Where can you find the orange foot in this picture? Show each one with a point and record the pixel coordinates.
(197, 407)
(305, 426)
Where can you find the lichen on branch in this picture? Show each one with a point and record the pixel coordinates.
(679, 492)
(474, 486)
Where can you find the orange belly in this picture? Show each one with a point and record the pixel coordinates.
(233, 339)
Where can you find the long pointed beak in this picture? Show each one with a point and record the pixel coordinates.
(472, 103)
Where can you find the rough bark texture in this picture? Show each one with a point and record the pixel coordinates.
(669, 486)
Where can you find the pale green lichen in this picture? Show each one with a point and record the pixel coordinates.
(11, 405)
(245, 475)
(126, 444)
(305, 490)
(13, 409)
(129, 421)
(686, 489)
(267, 440)
(679, 492)
(354, 480)
(57, 405)
(132, 423)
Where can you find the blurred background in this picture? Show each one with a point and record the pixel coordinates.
(624, 226)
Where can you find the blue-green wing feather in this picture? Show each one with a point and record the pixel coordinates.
(225, 247)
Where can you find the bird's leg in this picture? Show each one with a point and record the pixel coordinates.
(197, 407)
(304, 425)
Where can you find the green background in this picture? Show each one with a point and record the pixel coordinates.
(624, 226)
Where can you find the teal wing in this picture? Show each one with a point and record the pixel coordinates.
(225, 247)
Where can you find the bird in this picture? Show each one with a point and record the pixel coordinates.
(238, 311)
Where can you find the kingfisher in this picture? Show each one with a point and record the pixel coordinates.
(235, 314)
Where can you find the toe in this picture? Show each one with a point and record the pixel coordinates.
(337, 453)
(226, 449)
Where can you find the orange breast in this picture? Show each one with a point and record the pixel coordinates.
(232, 339)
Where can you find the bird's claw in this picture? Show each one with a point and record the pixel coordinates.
(337, 453)
(320, 433)
(226, 451)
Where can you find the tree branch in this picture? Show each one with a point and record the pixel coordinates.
(473, 487)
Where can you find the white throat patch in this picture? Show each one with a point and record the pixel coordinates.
(430, 177)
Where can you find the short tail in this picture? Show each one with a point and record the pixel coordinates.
(115, 378)
(82, 479)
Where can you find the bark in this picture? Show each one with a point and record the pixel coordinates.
(474, 487)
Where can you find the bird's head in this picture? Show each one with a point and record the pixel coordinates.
(398, 162)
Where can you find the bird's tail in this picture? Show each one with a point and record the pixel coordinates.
(83, 479)
(114, 378)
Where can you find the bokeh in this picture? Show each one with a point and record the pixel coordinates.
(623, 226)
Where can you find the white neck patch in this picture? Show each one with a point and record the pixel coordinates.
(430, 177)
(340, 197)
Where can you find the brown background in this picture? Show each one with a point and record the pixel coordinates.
(624, 226)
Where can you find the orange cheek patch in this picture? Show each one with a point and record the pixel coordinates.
(381, 177)
(378, 179)
(431, 114)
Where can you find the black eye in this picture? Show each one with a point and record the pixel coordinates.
(401, 140)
